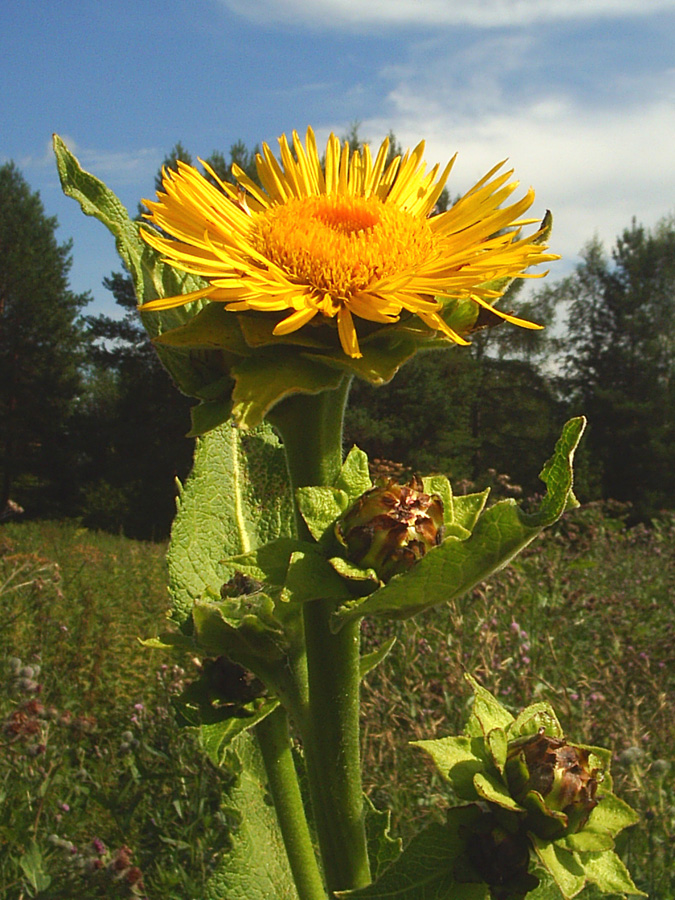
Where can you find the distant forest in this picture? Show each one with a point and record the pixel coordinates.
(92, 428)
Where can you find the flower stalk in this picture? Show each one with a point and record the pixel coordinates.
(311, 429)
(274, 741)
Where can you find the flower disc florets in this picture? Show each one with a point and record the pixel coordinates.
(391, 527)
(325, 242)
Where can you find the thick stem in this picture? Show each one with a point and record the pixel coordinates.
(275, 746)
(332, 747)
(311, 429)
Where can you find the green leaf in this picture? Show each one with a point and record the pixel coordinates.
(213, 326)
(448, 571)
(547, 889)
(217, 737)
(468, 507)
(557, 475)
(586, 841)
(256, 868)
(562, 865)
(426, 869)
(532, 718)
(498, 745)
(261, 381)
(486, 713)
(33, 867)
(236, 498)
(267, 563)
(383, 356)
(383, 849)
(320, 506)
(311, 577)
(354, 477)
(608, 872)
(208, 415)
(370, 660)
(457, 761)
(439, 484)
(490, 788)
(612, 815)
(246, 632)
(363, 581)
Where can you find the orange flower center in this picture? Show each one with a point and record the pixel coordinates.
(342, 245)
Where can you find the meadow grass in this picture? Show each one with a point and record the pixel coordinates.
(101, 795)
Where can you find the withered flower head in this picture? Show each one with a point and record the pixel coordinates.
(391, 527)
(553, 779)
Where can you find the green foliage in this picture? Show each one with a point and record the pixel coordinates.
(256, 867)
(41, 349)
(621, 318)
(235, 499)
(465, 558)
(581, 619)
(493, 846)
(598, 622)
(98, 787)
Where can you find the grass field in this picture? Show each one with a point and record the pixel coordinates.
(102, 796)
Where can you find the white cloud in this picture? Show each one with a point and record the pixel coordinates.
(594, 168)
(328, 14)
(121, 168)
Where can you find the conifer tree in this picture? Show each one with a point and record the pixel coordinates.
(41, 349)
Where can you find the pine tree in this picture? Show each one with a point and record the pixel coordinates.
(132, 426)
(621, 364)
(41, 349)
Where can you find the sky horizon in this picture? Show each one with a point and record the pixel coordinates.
(578, 95)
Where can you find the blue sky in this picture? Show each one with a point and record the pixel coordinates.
(578, 94)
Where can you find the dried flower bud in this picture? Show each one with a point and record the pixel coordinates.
(391, 527)
(229, 682)
(500, 858)
(553, 779)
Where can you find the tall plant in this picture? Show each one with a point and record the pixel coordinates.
(264, 303)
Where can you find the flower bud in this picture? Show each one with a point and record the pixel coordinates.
(500, 858)
(391, 527)
(554, 781)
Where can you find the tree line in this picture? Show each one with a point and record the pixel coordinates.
(91, 426)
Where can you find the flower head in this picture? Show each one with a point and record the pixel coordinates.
(554, 780)
(352, 237)
(391, 526)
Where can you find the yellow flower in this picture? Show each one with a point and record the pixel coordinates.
(351, 237)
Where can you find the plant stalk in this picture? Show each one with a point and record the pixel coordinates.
(311, 429)
(275, 746)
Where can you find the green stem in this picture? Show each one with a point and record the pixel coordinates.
(311, 429)
(275, 746)
(332, 747)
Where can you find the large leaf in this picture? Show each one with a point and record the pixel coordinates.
(235, 499)
(563, 866)
(256, 867)
(609, 873)
(216, 737)
(453, 568)
(383, 848)
(195, 371)
(459, 760)
(426, 868)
